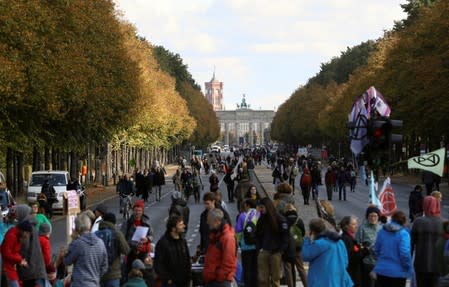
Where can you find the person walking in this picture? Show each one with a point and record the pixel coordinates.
(179, 207)
(426, 230)
(392, 249)
(220, 262)
(415, 203)
(172, 259)
(342, 179)
(88, 255)
(330, 179)
(327, 257)
(99, 211)
(306, 185)
(124, 188)
(272, 241)
(159, 181)
(197, 184)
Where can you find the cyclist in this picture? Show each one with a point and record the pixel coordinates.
(124, 188)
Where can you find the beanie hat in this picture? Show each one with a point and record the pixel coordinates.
(25, 226)
(372, 209)
(109, 217)
(102, 208)
(139, 203)
(22, 211)
(138, 264)
(44, 229)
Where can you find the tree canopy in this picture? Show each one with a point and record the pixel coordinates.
(409, 66)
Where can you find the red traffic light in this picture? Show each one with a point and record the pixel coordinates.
(378, 132)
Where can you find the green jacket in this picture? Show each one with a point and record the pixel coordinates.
(114, 272)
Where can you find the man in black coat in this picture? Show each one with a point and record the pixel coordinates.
(172, 259)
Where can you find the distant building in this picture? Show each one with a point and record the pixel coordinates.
(214, 93)
(245, 126)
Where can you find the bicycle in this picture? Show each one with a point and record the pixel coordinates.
(128, 207)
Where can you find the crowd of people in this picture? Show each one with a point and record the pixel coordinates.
(269, 232)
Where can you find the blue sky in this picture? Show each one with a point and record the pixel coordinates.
(264, 49)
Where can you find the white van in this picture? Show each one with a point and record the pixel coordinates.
(57, 178)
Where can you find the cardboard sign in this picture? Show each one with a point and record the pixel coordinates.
(73, 202)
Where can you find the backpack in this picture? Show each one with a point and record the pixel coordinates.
(249, 228)
(306, 179)
(296, 232)
(108, 237)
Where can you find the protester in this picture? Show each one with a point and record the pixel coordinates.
(272, 241)
(159, 180)
(172, 259)
(330, 179)
(348, 227)
(88, 255)
(44, 240)
(39, 217)
(366, 236)
(141, 247)
(426, 230)
(135, 275)
(305, 183)
(392, 248)
(248, 215)
(10, 248)
(118, 247)
(210, 202)
(220, 263)
(99, 211)
(124, 188)
(35, 272)
(327, 257)
(415, 203)
(179, 207)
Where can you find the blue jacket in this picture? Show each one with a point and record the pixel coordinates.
(392, 249)
(328, 260)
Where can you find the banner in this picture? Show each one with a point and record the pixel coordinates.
(432, 161)
(387, 199)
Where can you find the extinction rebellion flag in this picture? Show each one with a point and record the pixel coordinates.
(432, 161)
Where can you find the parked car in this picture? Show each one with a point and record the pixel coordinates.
(56, 178)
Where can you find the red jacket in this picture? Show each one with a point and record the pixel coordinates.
(11, 253)
(46, 249)
(220, 263)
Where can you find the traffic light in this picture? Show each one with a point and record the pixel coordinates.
(379, 134)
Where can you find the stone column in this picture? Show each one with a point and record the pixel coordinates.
(226, 133)
(237, 132)
(251, 137)
(262, 125)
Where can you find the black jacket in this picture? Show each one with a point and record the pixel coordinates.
(172, 260)
(269, 240)
(354, 257)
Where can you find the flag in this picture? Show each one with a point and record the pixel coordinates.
(366, 105)
(432, 161)
(358, 133)
(387, 199)
(373, 196)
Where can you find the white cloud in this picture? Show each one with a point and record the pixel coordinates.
(263, 48)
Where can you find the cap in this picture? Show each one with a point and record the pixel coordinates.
(102, 208)
(109, 217)
(139, 203)
(138, 264)
(44, 229)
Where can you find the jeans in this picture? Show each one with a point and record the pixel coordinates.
(342, 188)
(111, 283)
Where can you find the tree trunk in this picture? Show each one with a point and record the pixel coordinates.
(36, 159)
(20, 172)
(9, 170)
(46, 158)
